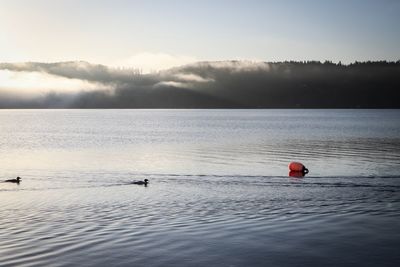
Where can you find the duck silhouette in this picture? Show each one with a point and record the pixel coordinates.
(144, 182)
(17, 180)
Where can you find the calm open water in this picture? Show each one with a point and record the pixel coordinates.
(219, 192)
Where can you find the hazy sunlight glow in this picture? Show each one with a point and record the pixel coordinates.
(40, 83)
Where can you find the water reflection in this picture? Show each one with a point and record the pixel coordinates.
(219, 188)
(297, 174)
(192, 221)
(247, 142)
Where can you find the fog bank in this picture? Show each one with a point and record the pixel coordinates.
(222, 84)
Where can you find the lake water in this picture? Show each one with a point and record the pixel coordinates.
(219, 192)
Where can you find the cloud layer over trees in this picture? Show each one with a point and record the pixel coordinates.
(223, 84)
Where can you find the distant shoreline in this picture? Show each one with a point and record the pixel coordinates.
(205, 85)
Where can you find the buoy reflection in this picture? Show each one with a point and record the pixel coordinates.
(297, 174)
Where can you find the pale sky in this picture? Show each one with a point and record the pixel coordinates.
(159, 34)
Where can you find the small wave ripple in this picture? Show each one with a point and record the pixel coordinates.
(199, 220)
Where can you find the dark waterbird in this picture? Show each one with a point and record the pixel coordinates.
(144, 182)
(17, 180)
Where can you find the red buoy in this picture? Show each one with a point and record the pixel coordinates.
(297, 167)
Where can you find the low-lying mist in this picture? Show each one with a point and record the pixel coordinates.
(222, 84)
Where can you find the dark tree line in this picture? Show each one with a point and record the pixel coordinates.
(232, 84)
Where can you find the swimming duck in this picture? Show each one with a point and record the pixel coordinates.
(17, 180)
(144, 182)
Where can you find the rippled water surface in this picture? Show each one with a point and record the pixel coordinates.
(219, 192)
